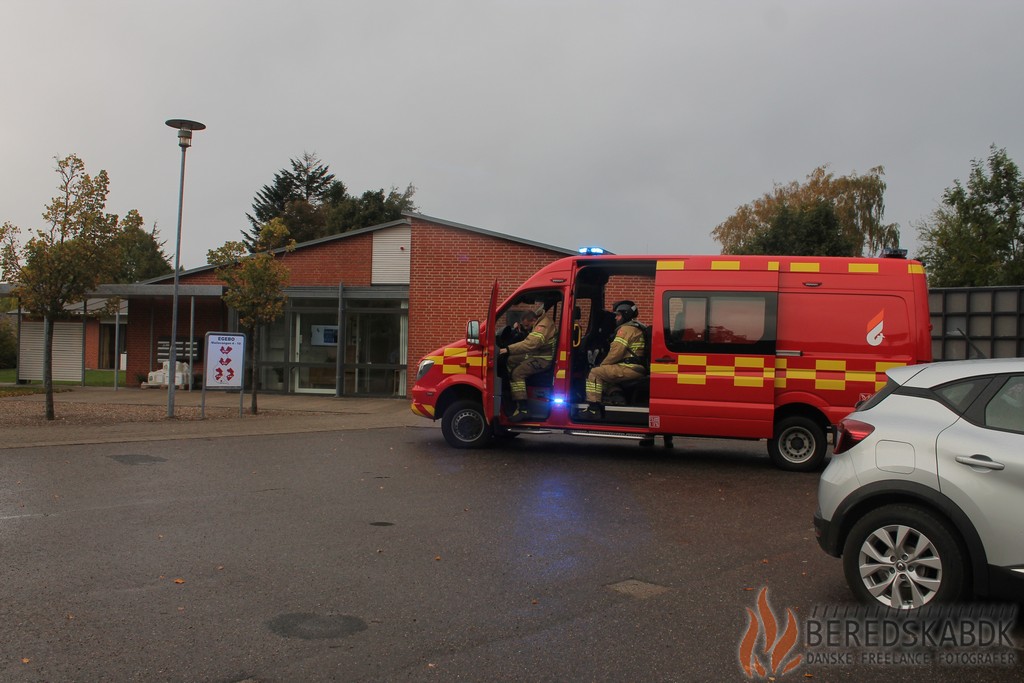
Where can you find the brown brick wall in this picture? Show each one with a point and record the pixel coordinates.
(211, 316)
(348, 260)
(92, 344)
(639, 290)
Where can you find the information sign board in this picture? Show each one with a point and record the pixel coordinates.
(225, 361)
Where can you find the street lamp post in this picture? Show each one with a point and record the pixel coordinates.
(184, 128)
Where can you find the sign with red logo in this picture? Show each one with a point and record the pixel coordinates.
(225, 360)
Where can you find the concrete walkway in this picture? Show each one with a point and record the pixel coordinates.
(279, 414)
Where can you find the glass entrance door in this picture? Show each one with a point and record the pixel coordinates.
(375, 351)
(314, 352)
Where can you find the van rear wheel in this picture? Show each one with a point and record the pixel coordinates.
(798, 445)
(464, 425)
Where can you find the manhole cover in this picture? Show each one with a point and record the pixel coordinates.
(638, 589)
(308, 626)
(137, 459)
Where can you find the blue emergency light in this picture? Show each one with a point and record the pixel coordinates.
(591, 251)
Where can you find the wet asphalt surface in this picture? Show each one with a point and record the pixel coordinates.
(384, 555)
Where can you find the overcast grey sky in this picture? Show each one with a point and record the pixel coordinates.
(638, 125)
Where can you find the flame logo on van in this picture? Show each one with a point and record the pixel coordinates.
(775, 649)
(875, 335)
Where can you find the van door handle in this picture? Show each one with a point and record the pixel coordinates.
(663, 359)
(981, 461)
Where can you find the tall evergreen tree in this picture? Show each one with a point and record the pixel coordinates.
(312, 203)
(295, 196)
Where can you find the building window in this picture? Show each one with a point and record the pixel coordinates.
(301, 352)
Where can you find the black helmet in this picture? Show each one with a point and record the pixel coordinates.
(627, 309)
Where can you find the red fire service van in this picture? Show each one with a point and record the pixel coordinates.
(750, 347)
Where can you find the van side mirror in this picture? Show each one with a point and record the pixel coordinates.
(473, 332)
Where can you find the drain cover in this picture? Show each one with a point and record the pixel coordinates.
(137, 459)
(308, 626)
(638, 589)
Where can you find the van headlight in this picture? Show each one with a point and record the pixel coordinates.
(424, 368)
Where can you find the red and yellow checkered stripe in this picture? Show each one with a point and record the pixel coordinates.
(810, 266)
(784, 373)
(457, 361)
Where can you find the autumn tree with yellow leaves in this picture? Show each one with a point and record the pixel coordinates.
(857, 202)
(255, 283)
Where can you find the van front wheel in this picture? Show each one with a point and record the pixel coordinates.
(464, 425)
(798, 445)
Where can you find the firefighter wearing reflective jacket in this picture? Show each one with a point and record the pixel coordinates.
(530, 356)
(626, 359)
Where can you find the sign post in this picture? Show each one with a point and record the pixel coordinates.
(224, 368)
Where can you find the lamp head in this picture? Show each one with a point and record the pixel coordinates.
(185, 128)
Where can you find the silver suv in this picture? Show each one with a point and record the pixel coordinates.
(924, 495)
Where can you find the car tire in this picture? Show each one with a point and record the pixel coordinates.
(464, 425)
(799, 445)
(904, 557)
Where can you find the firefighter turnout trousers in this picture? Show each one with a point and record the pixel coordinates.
(604, 376)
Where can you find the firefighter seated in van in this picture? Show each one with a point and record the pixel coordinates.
(626, 359)
(530, 356)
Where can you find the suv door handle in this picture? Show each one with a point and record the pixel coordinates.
(982, 461)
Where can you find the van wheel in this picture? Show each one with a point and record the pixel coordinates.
(798, 445)
(904, 557)
(464, 425)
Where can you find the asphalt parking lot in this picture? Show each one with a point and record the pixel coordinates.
(372, 554)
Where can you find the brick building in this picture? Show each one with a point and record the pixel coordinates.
(363, 306)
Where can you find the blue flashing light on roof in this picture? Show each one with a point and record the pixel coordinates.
(893, 252)
(591, 251)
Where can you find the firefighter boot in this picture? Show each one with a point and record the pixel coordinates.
(520, 413)
(594, 411)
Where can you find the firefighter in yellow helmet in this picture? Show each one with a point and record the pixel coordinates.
(626, 359)
(533, 354)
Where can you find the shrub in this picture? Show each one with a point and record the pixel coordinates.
(8, 346)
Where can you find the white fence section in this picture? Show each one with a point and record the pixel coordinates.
(67, 352)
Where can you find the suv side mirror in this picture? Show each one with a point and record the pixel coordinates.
(473, 332)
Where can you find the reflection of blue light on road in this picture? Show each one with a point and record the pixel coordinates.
(565, 529)
(550, 526)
